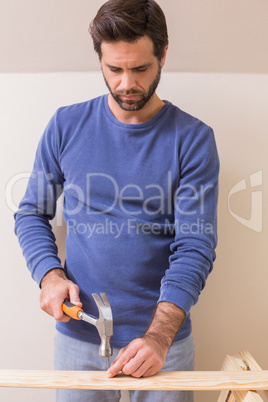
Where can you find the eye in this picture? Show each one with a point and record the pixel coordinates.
(115, 69)
(140, 69)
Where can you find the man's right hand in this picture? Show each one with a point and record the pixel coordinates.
(55, 288)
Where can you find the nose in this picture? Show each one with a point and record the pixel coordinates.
(128, 80)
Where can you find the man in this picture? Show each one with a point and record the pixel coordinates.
(140, 181)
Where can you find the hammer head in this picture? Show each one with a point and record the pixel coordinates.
(104, 324)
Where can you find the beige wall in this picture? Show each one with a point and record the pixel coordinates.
(231, 314)
(207, 35)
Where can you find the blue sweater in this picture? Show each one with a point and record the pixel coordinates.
(140, 203)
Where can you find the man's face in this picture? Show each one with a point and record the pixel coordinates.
(131, 72)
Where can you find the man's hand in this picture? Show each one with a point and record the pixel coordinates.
(55, 288)
(145, 356)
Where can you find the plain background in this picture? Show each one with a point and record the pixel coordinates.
(217, 70)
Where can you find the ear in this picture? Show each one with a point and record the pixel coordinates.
(163, 59)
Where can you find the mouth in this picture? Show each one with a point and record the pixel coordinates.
(129, 97)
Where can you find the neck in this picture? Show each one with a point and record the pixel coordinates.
(152, 107)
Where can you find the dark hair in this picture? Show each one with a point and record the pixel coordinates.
(128, 21)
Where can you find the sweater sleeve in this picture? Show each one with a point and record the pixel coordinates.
(38, 207)
(195, 210)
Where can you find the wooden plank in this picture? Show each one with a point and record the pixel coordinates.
(251, 362)
(236, 363)
(254, 366)
(226, 395)
(168, 380)
(251, 396)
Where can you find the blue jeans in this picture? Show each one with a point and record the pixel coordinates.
(71, 354)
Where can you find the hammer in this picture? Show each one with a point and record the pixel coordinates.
(104, 323)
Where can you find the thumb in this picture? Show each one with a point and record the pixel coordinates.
(74, 295)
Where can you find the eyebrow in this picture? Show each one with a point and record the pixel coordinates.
(133, 68)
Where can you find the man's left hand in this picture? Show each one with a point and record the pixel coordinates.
(143, 357)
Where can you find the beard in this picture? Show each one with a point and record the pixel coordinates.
(133, 105)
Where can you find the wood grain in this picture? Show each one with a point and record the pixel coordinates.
(169, 380)
(254, 366)
(233, 363)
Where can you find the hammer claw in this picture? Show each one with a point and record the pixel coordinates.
(103, 305)
(105, 299)
(97, 299)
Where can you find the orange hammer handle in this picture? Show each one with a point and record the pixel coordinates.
(71, 310)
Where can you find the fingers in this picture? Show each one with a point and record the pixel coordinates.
(52, 305)
(144, 364)
(58, 313)
(74, 295)
(138, 365)
(138, 359)
(141, 371)
(55, 289)
(122, 359)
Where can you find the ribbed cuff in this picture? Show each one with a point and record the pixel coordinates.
(177, 296)
(44, 266)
